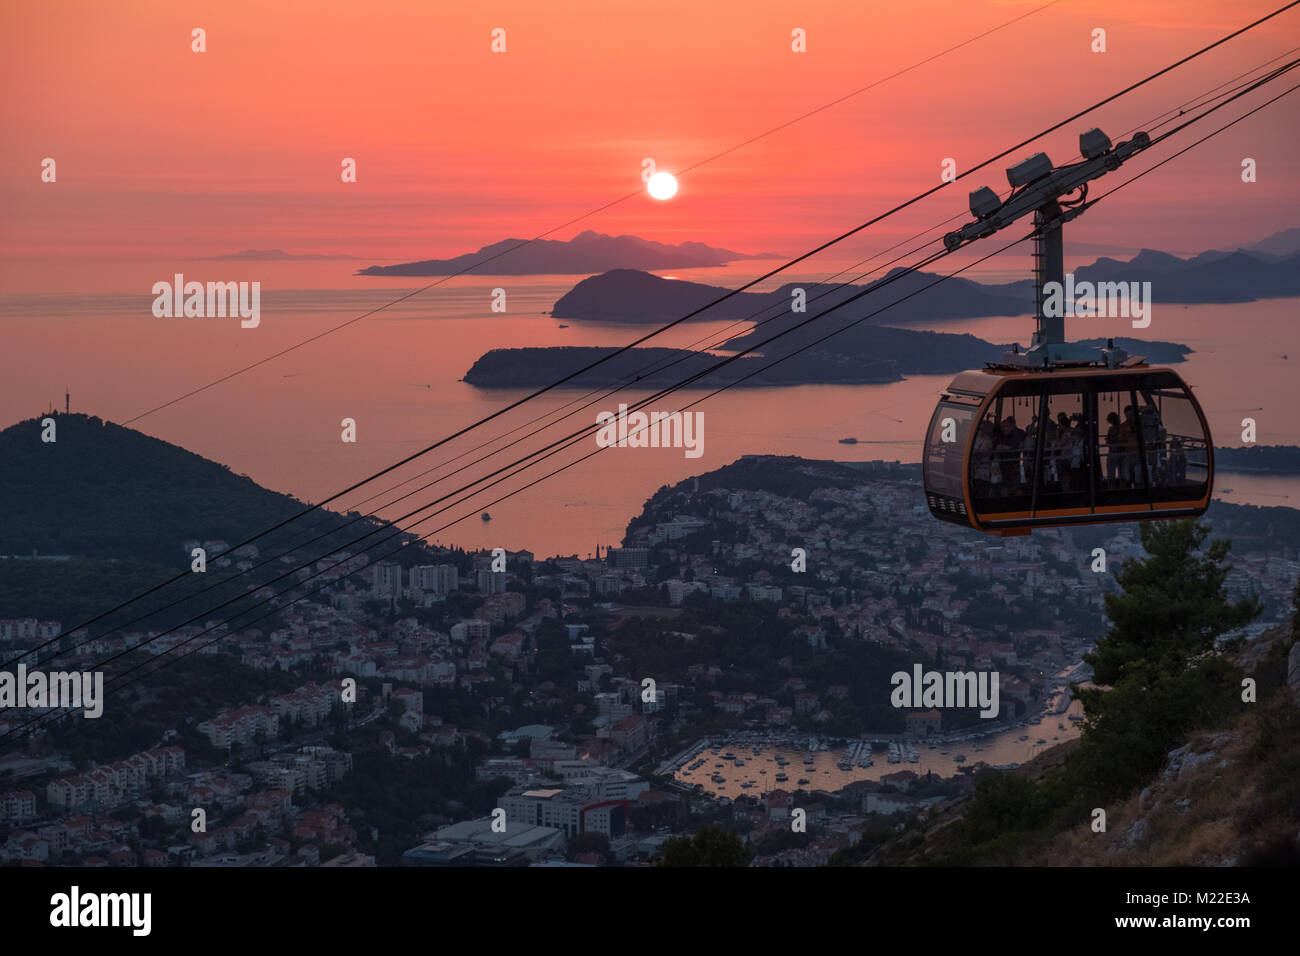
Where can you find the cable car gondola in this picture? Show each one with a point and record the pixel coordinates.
(1009, 450)
(1062, 434)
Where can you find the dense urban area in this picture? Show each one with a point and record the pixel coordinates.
(446, 708)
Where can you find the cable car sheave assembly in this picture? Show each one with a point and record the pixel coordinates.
(1062, 433)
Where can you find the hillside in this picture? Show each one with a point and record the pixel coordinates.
(1228, 796)
(117, 505)
(105, 491)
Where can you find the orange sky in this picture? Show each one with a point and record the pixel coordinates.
(162, 151)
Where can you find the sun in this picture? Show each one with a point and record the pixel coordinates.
(662, 186)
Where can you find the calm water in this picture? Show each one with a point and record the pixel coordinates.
(398, 375)
(997, 750)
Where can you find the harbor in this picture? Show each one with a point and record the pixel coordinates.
(757, 761)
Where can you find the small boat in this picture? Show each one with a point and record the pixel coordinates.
(1040, 741)
(848, 441)
(804, 780)
(1024, 737)
(781, 778)
(960, 758)
(485, 516)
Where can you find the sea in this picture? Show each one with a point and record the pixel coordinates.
(95, 345)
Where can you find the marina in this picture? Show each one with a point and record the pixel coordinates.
(832, 763)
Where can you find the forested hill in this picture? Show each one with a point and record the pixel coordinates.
(104, 491)
(1264, 459)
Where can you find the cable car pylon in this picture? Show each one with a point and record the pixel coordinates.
(1041, 190)
(1101, 436)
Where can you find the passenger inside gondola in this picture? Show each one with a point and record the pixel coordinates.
(1130, 461)
(1008, 449)
(1153, 440)
(1091, 448)
(982, 460)
(1112, 451)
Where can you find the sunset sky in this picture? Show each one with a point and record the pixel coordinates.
(162, 151)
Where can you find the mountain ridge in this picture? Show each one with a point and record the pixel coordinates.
(586, 253)
(635, 296)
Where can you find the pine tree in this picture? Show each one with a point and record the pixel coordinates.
(1157, 662)
(1172, 605)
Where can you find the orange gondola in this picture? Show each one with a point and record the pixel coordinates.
(1062, 433)
(1009, 450)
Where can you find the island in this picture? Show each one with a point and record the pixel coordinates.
(1259, 459)
(584, 254)
(868, 355)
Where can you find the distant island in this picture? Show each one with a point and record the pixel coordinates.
(585, 253)
(1259, 459)
(533, 367)
(266, 255)
(1215, 276)
(634, 296)
(867, 355)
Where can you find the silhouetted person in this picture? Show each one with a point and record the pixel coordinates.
(1153, 438)
(1131, 459)
(1077, 455)
(1009, 454)
(1177, 462)
(1113, 449)
(982, 460)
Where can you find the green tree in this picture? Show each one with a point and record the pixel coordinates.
(1172, 604)
(589, 843)
(711, 846)
(1157, 658)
